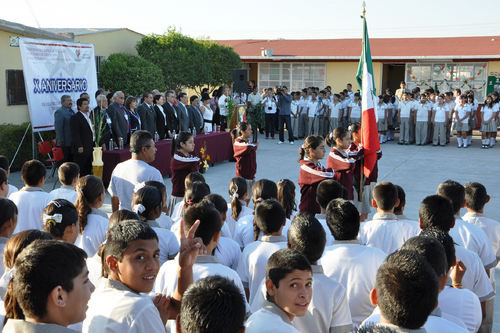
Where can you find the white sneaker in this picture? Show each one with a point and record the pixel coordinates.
(291, 142)
(280, 142)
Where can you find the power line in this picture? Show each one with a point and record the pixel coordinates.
(33, 13)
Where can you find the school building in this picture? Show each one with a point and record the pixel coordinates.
(442, 63)
(13, 102)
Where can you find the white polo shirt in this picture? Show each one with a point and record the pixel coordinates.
(422, 111)
(269, 105)
(30, 202)
(65, 192)
(12, 189)
(474, 238)
(269, 319)
(489, 226)
(228, 252)
(335, 110)
(232, 223)
(167, 242)
(223, 105)
(165, 221)
(322, 219)
(355, 266)
(303, 102)
(462, 111)
(114, 307)
(93, 235)
(405, 108)
(355, 109)
(381, 109)
(463, 304)
(95, 270)
(385, 232)
(177, 212)
(485, 110)
(252, 267)
(313, 107)
(440, 110)
(244, 233)
(414, 224)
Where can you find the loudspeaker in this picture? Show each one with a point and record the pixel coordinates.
(240, 80)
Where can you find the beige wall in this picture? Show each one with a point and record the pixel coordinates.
(493, 66)
(11, 59)
(339, 74)
(112, 42)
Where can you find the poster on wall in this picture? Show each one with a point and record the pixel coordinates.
(52, 69)
(493, 83)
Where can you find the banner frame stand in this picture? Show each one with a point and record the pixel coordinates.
(33, 143)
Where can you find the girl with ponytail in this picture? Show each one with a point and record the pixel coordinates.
(245, 153)
(60, 219)
(237, 208)
(339, 160)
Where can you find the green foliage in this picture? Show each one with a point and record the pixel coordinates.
(129, 73)
(183, 61)
(10, 137)
(256, 116)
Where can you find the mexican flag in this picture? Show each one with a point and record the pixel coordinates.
(369, 131)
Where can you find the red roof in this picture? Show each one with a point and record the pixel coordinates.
(458, 48)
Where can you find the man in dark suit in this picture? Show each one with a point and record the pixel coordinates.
(61, 124)
(147, 114)
(171, 111)
(184, 122)
(120, 118)
(82, 137)
(96, 115)
(196, 118)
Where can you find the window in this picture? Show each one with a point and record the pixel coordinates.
(295, 76)
(98, 62)
(16, 93)
(448, 77)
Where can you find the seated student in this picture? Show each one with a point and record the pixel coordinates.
(131, 262)
(8, 223)
(191, 178)
(50, 302)
(212, 305)
(437, 212)
(399, 209)
(328, 190)
(329, 307)
(60, 219)
(434, 253)
(384, 231)
(31, 200)
(193, 195)
(4, 184)
(93, 226)
(5, 164)
(286, 197)
(69, 174)
(270, 219)
(460, 303)
(227, 251)
(164, 220)
(476, 198)
(466, 234)
(148, 204)
(406, 291)
(347, 261)
(288, 293)
(209, 232)
(237, 208)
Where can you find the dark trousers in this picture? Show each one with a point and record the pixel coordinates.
(282, 120)
(84, 162)
(223, 123)
(270, 123)
(67, 155)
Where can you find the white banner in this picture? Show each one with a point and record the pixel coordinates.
(53, 69)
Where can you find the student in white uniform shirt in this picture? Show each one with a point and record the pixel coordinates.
(422, 120)
(303, 102)
(270, 219)
(451, 109)
(465, 234)
(69, 174)
(148, 204)
(132, 265)
(237, 208)
(164, 221)
(133, 171)
(288, 293)
(354, 110)
(212, 304)
(462, 111)
(295, 114)
(313, 106)
(8, 222)
(208, 231)
(336, 108)
(405, 113)
(384, 231)
(31, 199)
(348, 262)
(286, 197)
(329, 307)
(489, 113)
(60, 219)
(458, 302)
(399, 210)
(65, 300)
(440, 116)
(4, 164)
(190, 178)
(327, 191)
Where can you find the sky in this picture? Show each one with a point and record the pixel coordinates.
(258, 19)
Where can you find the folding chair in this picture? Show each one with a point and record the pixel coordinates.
(45, 149)
(54, 143)
(58, 156)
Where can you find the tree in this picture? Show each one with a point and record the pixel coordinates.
(183, 61)
(129, 73)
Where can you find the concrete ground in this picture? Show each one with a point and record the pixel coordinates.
(418, 169)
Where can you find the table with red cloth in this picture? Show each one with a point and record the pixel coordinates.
(219, 148)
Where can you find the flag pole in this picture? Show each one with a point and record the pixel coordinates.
(362, 176)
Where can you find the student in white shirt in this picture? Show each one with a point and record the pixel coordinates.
(237, 208)
(31, 199)
(212, 304)
(422, 120)
(354, 110)
(336, 108)
(385, 231)
(286, 197)
(133, 171)
(313, 106)
(209, 231)
(451, 108)
(190, 178)
(66, 290)
(399, 210)
(193, 195)
(383, 116)
(270, 219)
(405, 108)
(327, 191)
(132, 265)
(164, 221)
(60, 219)
(93, 226)
(289, 291)
(348, 262)
(148, 204)
(440, 115)
(489, 113)
(270, 106)
(463, 112)
(4, 164)
(303, 102)
(8, 223)
(295, 114)
(69, 174)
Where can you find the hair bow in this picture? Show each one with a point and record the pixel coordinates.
(139, 208)
(52, 219)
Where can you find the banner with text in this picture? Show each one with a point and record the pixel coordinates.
(52, 69)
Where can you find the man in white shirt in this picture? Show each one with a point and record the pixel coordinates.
(311, 111)
(31, 200)
(69, 175)
(223, 108)
(134, 171)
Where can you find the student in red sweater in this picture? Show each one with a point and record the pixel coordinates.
(183, 163)
(245, 153)
(311, 172)
(338, 160)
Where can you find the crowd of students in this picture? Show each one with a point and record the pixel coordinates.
(202, 263)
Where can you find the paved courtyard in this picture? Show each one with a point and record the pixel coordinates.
(418, 169)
